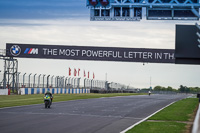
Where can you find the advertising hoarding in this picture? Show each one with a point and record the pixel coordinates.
(90, 53)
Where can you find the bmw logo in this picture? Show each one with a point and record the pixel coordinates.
(15, 50)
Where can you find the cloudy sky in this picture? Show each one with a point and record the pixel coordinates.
(66, 22)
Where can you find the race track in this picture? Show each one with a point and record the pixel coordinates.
(102, 115)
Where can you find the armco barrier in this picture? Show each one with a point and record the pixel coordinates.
(27, 91)
(196, 124)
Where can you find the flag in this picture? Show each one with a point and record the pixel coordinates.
(69, 71)
(84, 74)
(78, 71)
(75, 72)
(93, 75)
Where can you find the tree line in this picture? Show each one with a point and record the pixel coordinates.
(181, 89)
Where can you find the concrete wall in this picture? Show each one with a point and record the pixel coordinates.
(3, 91)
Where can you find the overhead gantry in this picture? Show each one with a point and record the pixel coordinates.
(136, 10)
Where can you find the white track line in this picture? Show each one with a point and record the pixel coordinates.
(196, 122)
(124, 131)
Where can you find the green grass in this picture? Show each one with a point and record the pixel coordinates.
(19, 100)
(182, 110)
(158, 127)
(179, 111)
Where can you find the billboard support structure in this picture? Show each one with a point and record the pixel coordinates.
(10, 76)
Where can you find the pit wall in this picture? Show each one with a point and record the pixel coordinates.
(27, 91)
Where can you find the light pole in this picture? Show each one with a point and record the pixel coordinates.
(72, 82)
(66, 82)
(56, 81)
(84, 82)
(91, 83)
(34, 80)
(75, 82)
(68, 85)
(87, 83)
(63, 81)
(52, 81)
(18, 80)
(39, 80)
(29, 77)
(24, 79)
(94, 83)
(43, 79)
(48, 81)
(78, 83)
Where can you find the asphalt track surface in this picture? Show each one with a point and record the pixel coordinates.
(102, 115)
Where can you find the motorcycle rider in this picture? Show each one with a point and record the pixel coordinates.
(149, 92)
(49, 94)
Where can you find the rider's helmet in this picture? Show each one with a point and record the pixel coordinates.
(48, 92)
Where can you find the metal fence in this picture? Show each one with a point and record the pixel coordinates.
(30, 80)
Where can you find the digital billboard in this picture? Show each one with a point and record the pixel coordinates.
(187, 50)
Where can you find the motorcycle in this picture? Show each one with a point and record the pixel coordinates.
(149, 93)
(47, 101)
